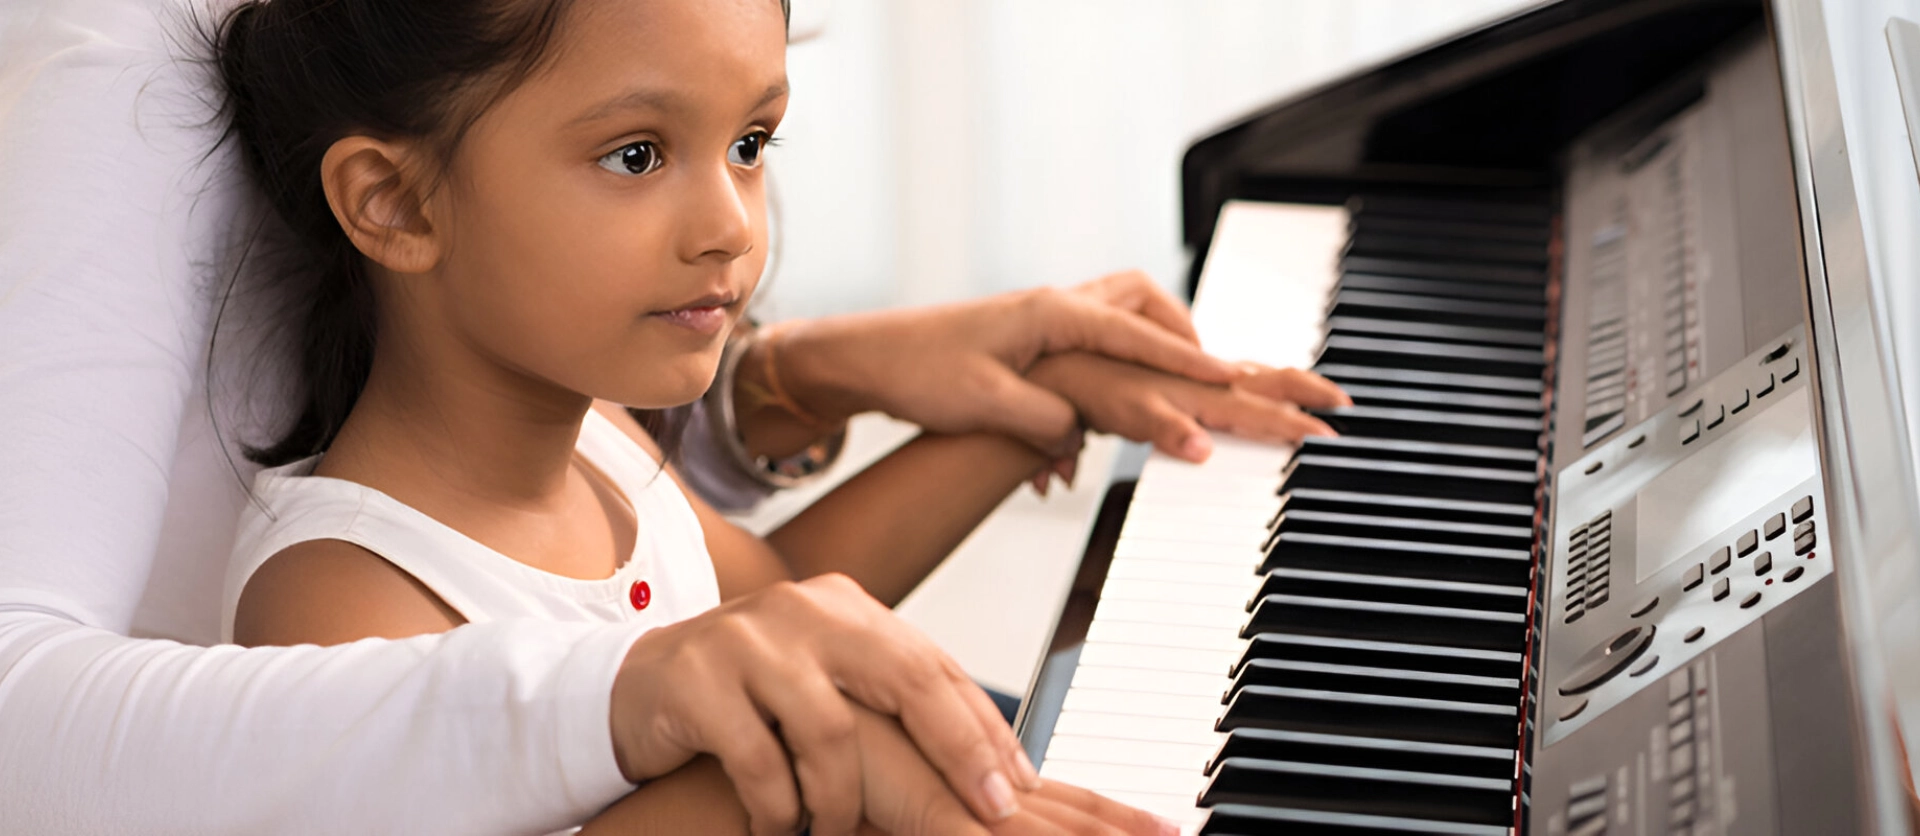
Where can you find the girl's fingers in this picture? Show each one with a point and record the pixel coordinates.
(1055, 796)
(1300, 386)
(818, 727)
(1257, 418)
(1173, 431)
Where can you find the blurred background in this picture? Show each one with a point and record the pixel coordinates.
(945, 149)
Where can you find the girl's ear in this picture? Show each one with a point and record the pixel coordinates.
(377, 198)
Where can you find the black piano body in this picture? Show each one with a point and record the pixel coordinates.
(1606, 276)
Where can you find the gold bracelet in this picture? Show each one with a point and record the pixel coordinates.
(723, 412)
(777, 394)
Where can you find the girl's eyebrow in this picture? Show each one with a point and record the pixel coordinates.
(644, 98)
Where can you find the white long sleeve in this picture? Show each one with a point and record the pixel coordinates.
(117, 508)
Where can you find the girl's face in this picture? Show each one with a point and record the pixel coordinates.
(605, 221)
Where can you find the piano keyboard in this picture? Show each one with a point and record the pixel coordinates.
(1331, 639)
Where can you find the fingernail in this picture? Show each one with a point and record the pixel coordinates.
(1196, 447)
(1168, 828)
(999, 795)
(1068, 469)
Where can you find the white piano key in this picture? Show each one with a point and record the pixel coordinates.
(1106, 777)
(1226, 486)
(1244, 555)
(1223, 574)
(1164, 635)
(1141, 704)
(1197, 731)
(1074, 747)
(1181, 531)
(1175, 659)
(1139, 680)
(1226, 617)
(1265, 281)
(1203, 513)
(1126, 589)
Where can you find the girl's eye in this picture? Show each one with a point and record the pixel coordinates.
(634, 159)
(746, 150)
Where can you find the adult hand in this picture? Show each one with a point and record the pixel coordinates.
(959, 368)
(1174, 413)
(905, 797)
(789, 657)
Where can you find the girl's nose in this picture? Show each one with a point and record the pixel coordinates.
(718, 223)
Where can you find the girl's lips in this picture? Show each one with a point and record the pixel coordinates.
(704, 319)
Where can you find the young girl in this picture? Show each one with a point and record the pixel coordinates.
(515, 220)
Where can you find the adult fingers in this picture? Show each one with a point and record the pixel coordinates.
(1300, 386)
(890, 667)
(1070, 323)
(1135, 291)
(1018, 407)
(818, 726)
(731, 728)
(1018, 768)
(1060, 799)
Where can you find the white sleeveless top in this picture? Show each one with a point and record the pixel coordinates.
(668, 577)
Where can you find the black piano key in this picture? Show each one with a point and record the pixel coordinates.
(1425, 355)
(1260, 820)
(1367, 715)
(1511, 431)
(1445, 248)
(1420, 268)
(1345, 373)
(1417, 507)
(1434, 331)
(1401, 623)
(1400, 655)
(1357, 789)
(1448, 288)
(1398, 558)
(1409, 307)
(1356, 679)
(1533, 213)
(1347, 473)
(1376, 752)
(1421, 452)
(1400, 528)
(1403, 396)
(1525, 232)
(1388, 589)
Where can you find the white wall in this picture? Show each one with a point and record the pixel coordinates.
(940, 149)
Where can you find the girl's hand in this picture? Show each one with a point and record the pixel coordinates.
(958, 368)
(1174, 413)
(721, 682)
(905, 797)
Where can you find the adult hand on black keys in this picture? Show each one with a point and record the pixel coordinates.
(763, 683)
(1175, 413)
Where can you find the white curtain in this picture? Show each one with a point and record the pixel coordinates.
(940, 149)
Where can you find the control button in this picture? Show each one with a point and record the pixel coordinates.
(1765, 390)
(1681, 789)
(1605, 661)
(1803, 509)
(1637, 441)
(1692, 408)
(1681, 815)
(1763, 564)
(1679, 733)
(1744, 400)
(1720, 560)
(1775, 525)
(1692, 578)
(1802, 545)
(1793, 574)
(1791, 372)
(1751, 599)
(1589, 807)
(1748, 542)
(1596, 597)
(1803, 529)
(1596, 784)
(1680, 761)
(1721, 588)
(1689, 430)
(1677, 711)
(1574, 615)
(1573, 711)
(1595, 467)
(1694, 634)
(1644, 607)
(1719, 416)
(1596, 826)
(1645, 665)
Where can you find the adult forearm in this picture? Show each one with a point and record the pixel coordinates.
(892, 524)
(492, 728)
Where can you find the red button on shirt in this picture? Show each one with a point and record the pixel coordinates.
(641, 595)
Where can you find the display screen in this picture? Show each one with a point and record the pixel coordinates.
(1736, 475)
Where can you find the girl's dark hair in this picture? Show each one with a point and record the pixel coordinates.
(300, 75)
